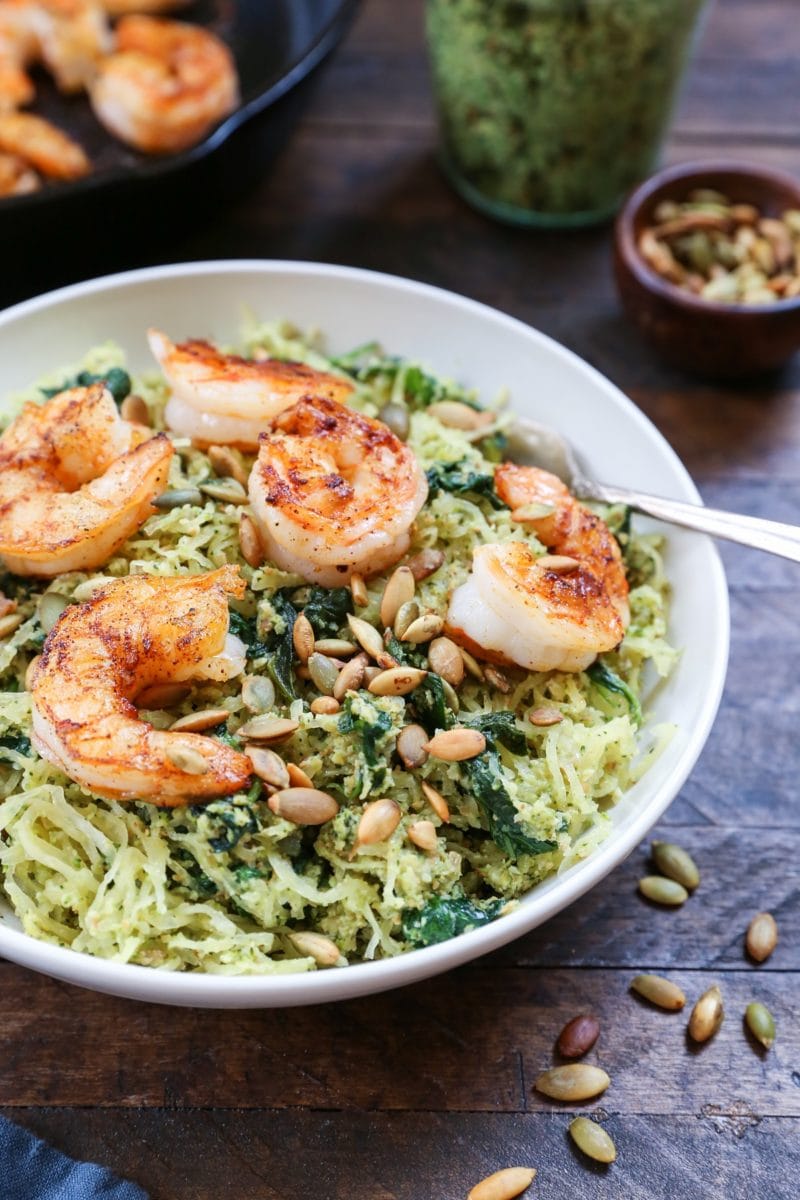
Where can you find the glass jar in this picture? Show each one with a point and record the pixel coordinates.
(550, 110)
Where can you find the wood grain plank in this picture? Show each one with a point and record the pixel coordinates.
(273, 1155)
(471, 1041)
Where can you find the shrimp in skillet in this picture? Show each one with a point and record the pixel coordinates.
(19, 48)
(554, 612)
(74, 35)
(16, 177)
(76, 480)
(334, 492)
(133, 633)
(40, 144)
(221, 399)
(166, 84)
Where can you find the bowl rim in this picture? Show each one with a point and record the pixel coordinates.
(696, 170)
(203, 989)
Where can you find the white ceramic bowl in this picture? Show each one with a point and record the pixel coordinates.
(488, 350)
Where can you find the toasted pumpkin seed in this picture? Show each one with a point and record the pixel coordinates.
(503, 1185)
(662, 890)
(575, 1081)
(335, 647)
(425, 563)
(423, 834)
(455, 745)
(455, 415)
(207, 718)
(258, 693)
(399, 589)
(426, 627)
(397, 418)
(84, 591)
(474, 668)
(366, 635)
(269, 766)
(324, 952)
(707, 1015)
(676, 863)
(134, 409)
(228, 463)
(411, 746)
(761, 1023)
(162, 695)
(436, 800)
(250, 541)
(378, 822)
(351, 676)
(176, 498)
(397, 681)
(325, 705)
(497, 679)
(303, 637)
(445, 659)
(48, 609)
(187, 759)
(560, 564)
(226, 491)
(298, 777)
(268, 729)
(406, 615)
(578, 1036)
(593, 1140)
(303, 805)
(762, 936)
(545, 716)
(659, 991)
(358, 590)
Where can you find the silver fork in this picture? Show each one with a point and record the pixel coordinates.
(540, 446)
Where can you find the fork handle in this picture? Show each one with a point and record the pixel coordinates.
(772, 536)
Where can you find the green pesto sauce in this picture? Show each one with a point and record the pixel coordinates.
(556, 106)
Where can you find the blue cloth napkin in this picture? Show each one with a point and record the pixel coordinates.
(32, 1170)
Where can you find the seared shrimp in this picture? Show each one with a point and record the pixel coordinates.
(75, 481)
(554, 612)
(165, 85)
(120, 8)
(223, 399)
(16, 177)
(334, 492)
(74, 35)
(132, 633)
(42, 145)
(19, 46)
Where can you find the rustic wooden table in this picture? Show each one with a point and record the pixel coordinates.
(420, 1093)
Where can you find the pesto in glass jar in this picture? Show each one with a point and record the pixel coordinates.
(550, 110)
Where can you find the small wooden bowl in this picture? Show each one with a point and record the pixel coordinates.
(705, 337)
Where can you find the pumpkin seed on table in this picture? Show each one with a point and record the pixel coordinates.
(573, 1082)
(503, 1185)
(324, 952)
(593, 1140)
(676, 863)
(659, 991)
(762, 936)
(303, 805)
(761, 1023)
(707, 1015)
(661, 890)
(578, 1036)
